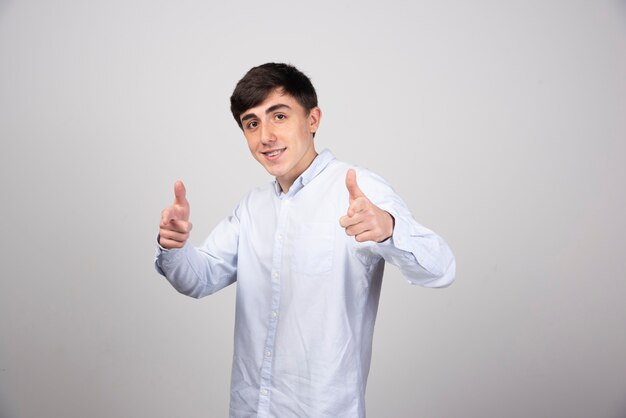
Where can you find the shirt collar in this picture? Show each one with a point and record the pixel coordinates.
(317, 166)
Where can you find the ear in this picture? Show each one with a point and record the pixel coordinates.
(315, 115)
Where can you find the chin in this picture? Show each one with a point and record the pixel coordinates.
(273, 171)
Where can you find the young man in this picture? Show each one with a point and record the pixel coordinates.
(307, 252)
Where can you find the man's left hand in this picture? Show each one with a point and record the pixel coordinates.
(365, 221)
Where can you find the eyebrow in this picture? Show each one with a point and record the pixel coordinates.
(248, 116)
(276, 107)
(269, 110)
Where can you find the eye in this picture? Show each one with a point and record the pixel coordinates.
(280, 116)
(252, 124)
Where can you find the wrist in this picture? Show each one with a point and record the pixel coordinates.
(392, 225)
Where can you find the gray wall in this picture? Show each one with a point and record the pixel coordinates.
(501, 123)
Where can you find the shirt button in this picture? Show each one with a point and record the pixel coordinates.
(280, 236)
(276, 275)
(264, 392)
(274, 314)
(268, 353)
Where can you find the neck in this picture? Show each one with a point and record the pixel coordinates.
(285, 182)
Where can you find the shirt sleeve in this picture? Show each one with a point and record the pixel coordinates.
(201, 271)
(422, 256)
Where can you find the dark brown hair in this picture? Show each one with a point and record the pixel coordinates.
(260, 81)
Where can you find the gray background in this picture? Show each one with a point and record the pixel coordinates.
(501, 123)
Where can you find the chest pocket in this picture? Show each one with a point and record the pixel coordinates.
(313, 248)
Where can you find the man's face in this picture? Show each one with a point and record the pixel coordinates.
(279, 132)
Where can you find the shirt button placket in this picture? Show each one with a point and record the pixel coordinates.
(266, 367)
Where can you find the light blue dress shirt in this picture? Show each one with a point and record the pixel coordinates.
(307, 294)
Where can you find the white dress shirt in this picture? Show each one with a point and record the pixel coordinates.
(307, 294)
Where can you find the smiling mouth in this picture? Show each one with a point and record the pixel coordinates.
(273, 153)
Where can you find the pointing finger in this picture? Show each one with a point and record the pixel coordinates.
(357, 205)
(357, 229)
(165, 214)
(346, 221)
(177, 213)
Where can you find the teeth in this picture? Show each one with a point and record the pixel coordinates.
(273, 153)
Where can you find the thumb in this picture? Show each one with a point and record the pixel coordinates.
(353, 187)
(180, 194)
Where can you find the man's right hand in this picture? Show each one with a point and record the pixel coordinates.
(175, 225)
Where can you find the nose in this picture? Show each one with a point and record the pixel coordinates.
(267, 133)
